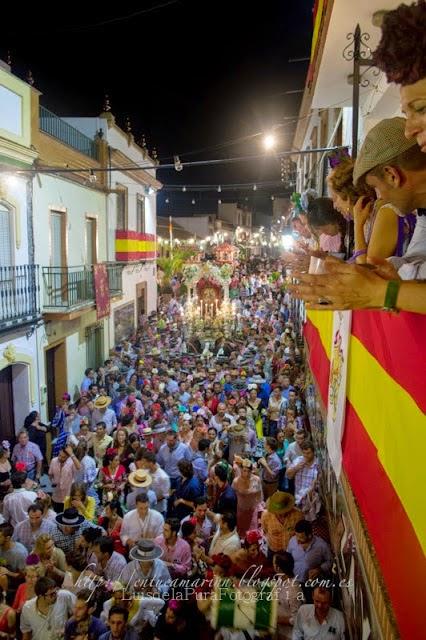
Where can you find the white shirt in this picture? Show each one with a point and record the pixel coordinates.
(47, 627)
(307, 627)
(135, 528)
(15, 505)
(161, 486)
(227, 543)
(293, 452)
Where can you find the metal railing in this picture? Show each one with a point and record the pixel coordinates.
(61, 130)
(19, 294)
(115, 278)
(73, 287)
(66, 287)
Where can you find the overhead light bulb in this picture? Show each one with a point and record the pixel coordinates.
(255, 187)
(219, 201)
(269, 141)
(192, 201)
(167, 201)
(183, 188)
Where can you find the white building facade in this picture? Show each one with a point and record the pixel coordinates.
(131, 222)
(20, 310)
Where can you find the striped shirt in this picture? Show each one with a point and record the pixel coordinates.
(29, 454)
(304, 479)
(26, 536)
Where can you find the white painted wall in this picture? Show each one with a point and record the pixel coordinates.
(79, 201)
(21, 394)
(25, 376)
(76, 360)
(15, 197)
(196, 225)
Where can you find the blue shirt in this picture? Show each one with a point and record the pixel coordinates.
(318, 554)
(86, 384)
(226, 501)
(96, 628)
(285, 392)
(131, 634)
(200, 465)
(185, 397)
(168, 458)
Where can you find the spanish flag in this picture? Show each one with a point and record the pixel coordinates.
(384, 443)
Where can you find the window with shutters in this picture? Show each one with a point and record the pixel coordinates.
(94, 345)
(6, 252)
(57, 231)
(91, 241)
(140, 214)
(121, 207)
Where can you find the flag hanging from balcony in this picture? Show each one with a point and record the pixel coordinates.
(384, 441)
(100, 275)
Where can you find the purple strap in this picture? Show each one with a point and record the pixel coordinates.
(406, 227)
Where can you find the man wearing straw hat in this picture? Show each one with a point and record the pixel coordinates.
(279, 520)
(103, 413)
(140, 480)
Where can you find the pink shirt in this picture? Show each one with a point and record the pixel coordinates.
(61, 475)
(178, 556)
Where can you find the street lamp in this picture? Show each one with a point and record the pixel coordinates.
(269, 141)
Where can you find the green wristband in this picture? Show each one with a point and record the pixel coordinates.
(391, 295)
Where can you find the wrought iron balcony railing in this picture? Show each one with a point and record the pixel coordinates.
(19, 295)
(67, 288)
(61, 130)
(115, 278)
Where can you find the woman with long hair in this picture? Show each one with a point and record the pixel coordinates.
(112, 477)
(379, 232)
(51, 558)
(33, 571)
(111, 521)
(5, 469)
(254, 409)
(121, 445)
(79, 499)
(36, 430)
(248, 487)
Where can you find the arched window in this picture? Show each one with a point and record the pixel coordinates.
(5, 235)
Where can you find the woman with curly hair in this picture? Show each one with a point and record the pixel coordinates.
(379, 232)
(401, 55)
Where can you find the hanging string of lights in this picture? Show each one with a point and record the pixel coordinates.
(157, 167)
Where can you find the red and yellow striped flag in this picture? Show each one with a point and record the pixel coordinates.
(384, 443)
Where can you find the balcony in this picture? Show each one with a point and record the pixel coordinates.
(71, 289)
(19, 295)
(115, 279)
(53, 125)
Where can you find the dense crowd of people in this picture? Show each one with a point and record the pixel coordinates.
(174, 469)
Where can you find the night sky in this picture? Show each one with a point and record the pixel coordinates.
(191, 75)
